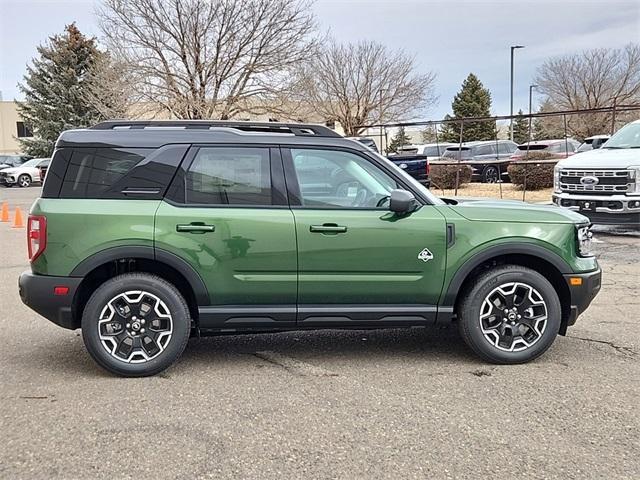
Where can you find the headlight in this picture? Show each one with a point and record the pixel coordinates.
(556, 179)
(635, 174)
(584, 242)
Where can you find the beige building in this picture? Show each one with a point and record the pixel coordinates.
(11, 128)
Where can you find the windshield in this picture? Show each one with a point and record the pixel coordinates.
(627, 137)
(32, 163)
(414, 183)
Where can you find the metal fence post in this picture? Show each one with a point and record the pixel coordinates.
(459, 157)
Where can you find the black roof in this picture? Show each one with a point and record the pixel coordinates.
(155, 133)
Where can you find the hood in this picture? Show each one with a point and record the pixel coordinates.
(8, 169)
(603, 158)
(514, 211)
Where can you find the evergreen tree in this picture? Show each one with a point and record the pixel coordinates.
(545, 128)
(473, 100)
(56, 88)
(521, 129)
(398, 140)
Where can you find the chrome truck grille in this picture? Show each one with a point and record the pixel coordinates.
(595, 181)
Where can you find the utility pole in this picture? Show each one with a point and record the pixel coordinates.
(513, 47)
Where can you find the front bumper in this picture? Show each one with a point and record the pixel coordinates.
(583, 294)
(7, 180)
(602, 209)
(37, 292)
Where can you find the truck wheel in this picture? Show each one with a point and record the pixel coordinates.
(490, 175)
(136, 324)
(24, 180)
(511, 314)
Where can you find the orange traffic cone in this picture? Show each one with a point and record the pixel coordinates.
(4, 214)
(17, 221)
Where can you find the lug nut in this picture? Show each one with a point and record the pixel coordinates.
(128, 325)
(142, 330)
(142, 321)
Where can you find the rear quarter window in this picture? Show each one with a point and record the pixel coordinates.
(91, 172)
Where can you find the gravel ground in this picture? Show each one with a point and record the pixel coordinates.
(332, 404)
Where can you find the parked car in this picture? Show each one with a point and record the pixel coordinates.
(432, 151)
(366, 141)
(603, 184)
(490, 158)
(593, 143)
(556, 148)
(7, 161)
(23, 175)
(43, 167)
(415, 165)
(271, 227)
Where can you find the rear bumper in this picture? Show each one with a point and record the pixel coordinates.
(582, 295)
(37, 292)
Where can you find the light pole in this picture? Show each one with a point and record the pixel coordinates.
(513, 47)
(531, 87)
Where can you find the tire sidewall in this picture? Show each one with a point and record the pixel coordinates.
(180, 316)
(486, 174)
(23, 176)
(477, 296)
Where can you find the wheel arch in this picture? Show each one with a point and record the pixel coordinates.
(537, 258)
(110, 262)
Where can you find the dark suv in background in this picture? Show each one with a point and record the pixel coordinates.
(490, 158)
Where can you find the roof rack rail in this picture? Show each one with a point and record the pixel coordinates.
(297, 129)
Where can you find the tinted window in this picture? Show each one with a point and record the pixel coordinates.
(229, 176)
(484, 149)
(506, 148)
(330, 178)
(91, 172)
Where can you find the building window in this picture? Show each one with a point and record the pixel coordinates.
(23, 130)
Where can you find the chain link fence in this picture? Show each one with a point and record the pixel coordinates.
(500, 156)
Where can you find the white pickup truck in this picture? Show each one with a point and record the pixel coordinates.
(603, 184)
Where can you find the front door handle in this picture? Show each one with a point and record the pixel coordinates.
(195, 227)
(327, 228)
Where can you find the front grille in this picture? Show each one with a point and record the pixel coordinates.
(609, 181)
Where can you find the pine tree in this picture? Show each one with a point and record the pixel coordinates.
(398, 140)
(521, 129)
(473, 100)
(545, 128)
(56, 88)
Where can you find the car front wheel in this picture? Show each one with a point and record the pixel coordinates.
(511, 314)
(491, 175)
(136, 324)
(24, 180)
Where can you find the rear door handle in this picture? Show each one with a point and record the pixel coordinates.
(327, 228)
(195, 228)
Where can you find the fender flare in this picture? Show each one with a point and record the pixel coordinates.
(495, 251)
(114, 253)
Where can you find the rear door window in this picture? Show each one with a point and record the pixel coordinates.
(229, 176)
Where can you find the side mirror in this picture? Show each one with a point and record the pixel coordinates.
(401, 201)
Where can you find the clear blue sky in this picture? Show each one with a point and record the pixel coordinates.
(451, 38)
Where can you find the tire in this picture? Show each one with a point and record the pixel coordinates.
(490, 174)
(508, 333)
(24, 180)
(136, 325)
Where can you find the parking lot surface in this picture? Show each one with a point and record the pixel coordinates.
(330, 404)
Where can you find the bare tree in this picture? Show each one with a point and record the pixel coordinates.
(205, 58)
(108, 88)
(365, 83)
(594, 78)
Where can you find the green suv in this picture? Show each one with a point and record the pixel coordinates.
(149, 232)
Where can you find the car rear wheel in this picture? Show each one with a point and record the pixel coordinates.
(24, 180)
(510, 315)
(490, 174)
(136, 324)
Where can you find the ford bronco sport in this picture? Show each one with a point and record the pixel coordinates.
(149, 232)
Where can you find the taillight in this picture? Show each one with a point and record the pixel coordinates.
(427, 168)
(36, 236)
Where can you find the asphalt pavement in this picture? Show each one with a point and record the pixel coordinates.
(330, 404)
